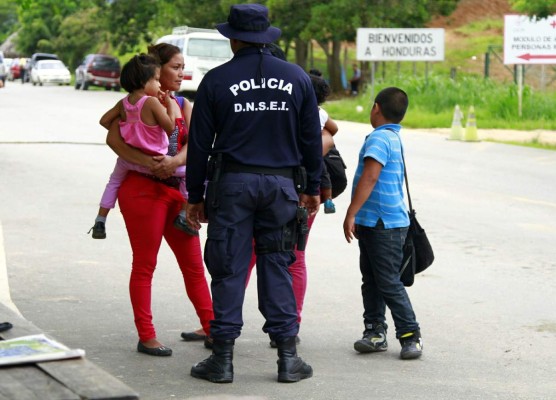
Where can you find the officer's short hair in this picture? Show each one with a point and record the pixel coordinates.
(137, 72)
(393, 103)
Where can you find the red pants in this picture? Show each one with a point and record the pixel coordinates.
(298, 271)
(149, 209)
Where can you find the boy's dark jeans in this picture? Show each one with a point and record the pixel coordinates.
(379, 260)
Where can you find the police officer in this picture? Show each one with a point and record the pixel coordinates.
(256, 116)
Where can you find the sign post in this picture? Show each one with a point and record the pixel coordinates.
(528, 41)
(399, 44)
(393, 44)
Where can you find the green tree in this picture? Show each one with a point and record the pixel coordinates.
(331, 23)
(8, 18)
(292, 16)
(81, 33)
(41, 21)
(134, 22)
(538, 8)
(335, 21)
(202, 13)
(128, 22)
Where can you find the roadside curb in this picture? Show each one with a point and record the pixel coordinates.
(507, 135)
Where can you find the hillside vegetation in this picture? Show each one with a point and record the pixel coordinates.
(474, 28)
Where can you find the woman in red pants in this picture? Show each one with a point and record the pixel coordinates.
(149, 204)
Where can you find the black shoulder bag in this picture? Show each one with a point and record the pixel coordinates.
(417, 250)
(337, 170)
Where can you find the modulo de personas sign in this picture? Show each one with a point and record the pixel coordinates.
(529, 40)
(386, 44)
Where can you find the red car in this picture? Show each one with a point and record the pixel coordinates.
(98, 70)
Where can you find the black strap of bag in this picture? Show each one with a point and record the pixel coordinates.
(411, 210)
(418, 253)
(407, 269)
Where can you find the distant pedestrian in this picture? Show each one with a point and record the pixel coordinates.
(328, 129)
(377, 217)
(355, 80)
(256, 117)
(23, 64)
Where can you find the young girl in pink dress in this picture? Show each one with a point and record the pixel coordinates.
(147, 117)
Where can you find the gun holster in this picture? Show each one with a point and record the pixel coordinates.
(214, 172)
(294, 235)
(302, 228)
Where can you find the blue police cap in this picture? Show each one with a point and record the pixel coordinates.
(249, 23)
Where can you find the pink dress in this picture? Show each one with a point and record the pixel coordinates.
(149, 139)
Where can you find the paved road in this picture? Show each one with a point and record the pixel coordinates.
(486, 306)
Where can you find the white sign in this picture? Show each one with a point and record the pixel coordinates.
(385, 44)
(528, 41)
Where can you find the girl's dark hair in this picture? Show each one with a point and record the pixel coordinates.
(163, 52)
(137, 72)
(321, 87)
(276, 51)
(314, 71)
(393, 103)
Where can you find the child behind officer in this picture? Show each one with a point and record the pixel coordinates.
(328, 129)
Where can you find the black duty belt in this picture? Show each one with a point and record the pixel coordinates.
(230, 166)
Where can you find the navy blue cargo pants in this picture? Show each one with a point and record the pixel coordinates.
(247, 206)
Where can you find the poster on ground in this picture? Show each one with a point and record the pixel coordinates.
(34, 348)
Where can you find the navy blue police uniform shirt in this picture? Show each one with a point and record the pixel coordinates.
(272, 122)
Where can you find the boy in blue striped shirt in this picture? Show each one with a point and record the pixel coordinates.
(377, 217)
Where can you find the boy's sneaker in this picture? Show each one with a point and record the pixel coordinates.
(412, 345)
(99, 231)
(181, 223)
(329, 207)
(374, 339)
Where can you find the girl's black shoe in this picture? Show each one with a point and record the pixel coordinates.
(99, 231)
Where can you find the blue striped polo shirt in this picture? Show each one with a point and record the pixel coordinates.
(387, 199)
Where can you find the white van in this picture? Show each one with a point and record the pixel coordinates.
(202, 49)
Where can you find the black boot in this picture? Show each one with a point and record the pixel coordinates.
(291, 368)
(218, 368)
